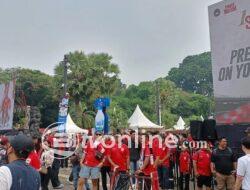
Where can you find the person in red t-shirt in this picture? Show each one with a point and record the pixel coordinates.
(119, 159)
(184, 160)
(149, 160)
(146, 165)
(106, 168)
(163, 167)
(119, 156)
(202, 170)
(33, 158)
(91, 162)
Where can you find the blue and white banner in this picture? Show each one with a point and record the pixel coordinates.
(63, 112)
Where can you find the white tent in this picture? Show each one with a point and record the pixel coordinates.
(139, 121)
(71, 127)
(180, 125)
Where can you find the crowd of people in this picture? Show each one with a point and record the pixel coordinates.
(125, 160)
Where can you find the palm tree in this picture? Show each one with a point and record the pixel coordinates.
(91, 76)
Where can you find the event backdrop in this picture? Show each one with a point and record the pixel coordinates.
(230, 45)
(7, 96)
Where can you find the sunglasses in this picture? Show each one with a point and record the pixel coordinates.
(98, 134)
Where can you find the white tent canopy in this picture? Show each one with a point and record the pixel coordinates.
(180, 125)
(139, 121)
(71, 127)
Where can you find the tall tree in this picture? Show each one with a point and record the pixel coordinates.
(33, 88)
(194, 74)
(90, 77)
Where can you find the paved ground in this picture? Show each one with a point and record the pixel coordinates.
(64, 174)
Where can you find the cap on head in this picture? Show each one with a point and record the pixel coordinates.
(22, 145)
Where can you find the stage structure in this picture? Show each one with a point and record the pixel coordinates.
(230, 45)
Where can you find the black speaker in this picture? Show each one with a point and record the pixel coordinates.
(196, 129)
(209, 130)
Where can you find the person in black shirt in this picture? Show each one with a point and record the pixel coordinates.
(223, 165)
(17, 174)
(135, 151)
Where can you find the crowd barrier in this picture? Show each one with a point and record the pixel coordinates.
(124, 181)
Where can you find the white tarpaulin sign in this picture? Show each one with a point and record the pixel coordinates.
(7, 97)
(230, 44)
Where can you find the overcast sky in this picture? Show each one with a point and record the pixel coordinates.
(145, 37)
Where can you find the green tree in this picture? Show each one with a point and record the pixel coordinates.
(194, 74)
(91, 76)
(186, 91)
(191, 105)
(33, 88)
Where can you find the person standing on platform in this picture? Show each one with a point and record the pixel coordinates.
(243, 168)
(223, 165)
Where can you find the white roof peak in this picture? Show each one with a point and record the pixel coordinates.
(139, 120)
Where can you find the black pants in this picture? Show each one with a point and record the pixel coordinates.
(105, 170)
(171, 175)
(122, 181)
(183, 177)
(45, 179)
(64, 163)
(144, 184)
(163, 173)
(55, 172)
(71, 176)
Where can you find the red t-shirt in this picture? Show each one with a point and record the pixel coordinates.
(90, 159)
(149, 168)
(33, 160)
(185, 162)
(107, 151)
(163, 153)
(120, 155)
(203, 161)
(156, 150)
